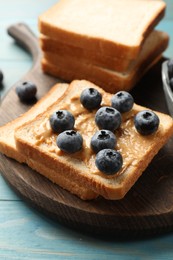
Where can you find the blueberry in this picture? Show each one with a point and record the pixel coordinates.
(108, 118)
(122, 101)
(1, 76)
(61, 120)
(26, 91)
(109, 161)
(70, 141)
(103, 139)
(170, 68)
(90, 98)
(146, 122)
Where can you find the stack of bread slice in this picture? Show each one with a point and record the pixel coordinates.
(109, 42)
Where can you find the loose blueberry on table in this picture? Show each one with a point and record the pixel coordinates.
(103, 139)
(109, 161)
(90, 98)
(108, 118)
(61, 120)
(122, 101)
(26, 91)
(70, 141)
(146, 122)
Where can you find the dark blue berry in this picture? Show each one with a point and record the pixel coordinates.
(1, 76)
(109, 161)
(122, 101)
(103, 139)
(170, 68)
(146, 122)
(90, 98)
(61, 120)
(108, 118)
(26, 91)
(70, 141)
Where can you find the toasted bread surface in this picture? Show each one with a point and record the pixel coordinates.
(8, 144)
(57, 177)
(7, 141)
(70, 68)
(52, 49)
(38, 142)
(102, 77)
(110, 27)
(58, 48)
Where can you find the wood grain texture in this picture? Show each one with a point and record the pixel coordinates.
(38, 238)
(143, 211)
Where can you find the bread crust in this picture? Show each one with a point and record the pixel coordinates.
(8, 145)
(55, 47)
(53, 24)
(68, 68)
(114, 187)
(52, 49)
(58, 178)
(7, 141)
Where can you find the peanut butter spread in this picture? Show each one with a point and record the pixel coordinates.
(129, 143)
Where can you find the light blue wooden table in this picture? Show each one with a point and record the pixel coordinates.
(24, 233)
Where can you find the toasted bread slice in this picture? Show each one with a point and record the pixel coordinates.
(109, 27)
(102, 77)
(7, 141)
(8, 144)
(64, 182)
(70, 68)
(52, 49)
(38, 142)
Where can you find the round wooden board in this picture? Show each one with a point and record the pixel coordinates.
(147, 209)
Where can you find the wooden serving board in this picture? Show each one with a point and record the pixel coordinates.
(148, 206)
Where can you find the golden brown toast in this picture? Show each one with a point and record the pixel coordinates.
(69, 67)
(52, 49)
(8, 144)
(109, 27)
(70, 70)
(38, 142)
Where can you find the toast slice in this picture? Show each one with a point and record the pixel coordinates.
(52, 49)
(70, 68)
(8, 144)
(102, 77)
(38, 142)
(109, 27)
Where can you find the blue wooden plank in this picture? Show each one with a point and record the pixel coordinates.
(167, 26)
(24, 234)
(169, 10)
(6, 192)
(23, 10)
(13, 71)
(8, 49)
